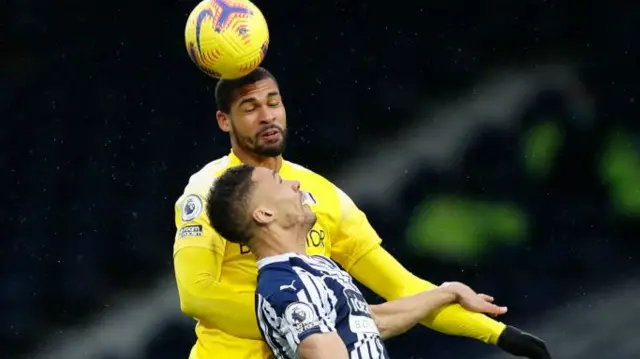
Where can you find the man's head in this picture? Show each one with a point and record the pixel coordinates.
(248, 202)
(250, 109)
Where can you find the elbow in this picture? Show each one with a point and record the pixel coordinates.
(191, 305)
(387, 329)
(187, 307)
(385, 323)
(384, 330)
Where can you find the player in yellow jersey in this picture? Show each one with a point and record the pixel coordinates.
(217, 279)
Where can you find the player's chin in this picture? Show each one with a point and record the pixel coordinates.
(270, 149)
(310, 217)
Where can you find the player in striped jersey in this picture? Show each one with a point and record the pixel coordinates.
(307, 306)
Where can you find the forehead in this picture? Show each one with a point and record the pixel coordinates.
(258, 89)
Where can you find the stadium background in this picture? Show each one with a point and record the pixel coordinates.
(492, 142)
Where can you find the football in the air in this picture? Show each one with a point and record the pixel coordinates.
(226, 38)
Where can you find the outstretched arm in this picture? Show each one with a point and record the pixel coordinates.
(392, 281)
(356, 246)
(397, 316)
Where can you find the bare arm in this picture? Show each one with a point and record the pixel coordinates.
(323, 346)
(356, 246)
(380, 272)
(396, 317)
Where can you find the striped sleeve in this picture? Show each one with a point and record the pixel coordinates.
(297, 307)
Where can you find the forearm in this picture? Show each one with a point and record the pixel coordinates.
(380, 272)
(455, 320)
(396, 317)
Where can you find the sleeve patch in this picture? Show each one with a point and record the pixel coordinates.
(301, 317)
(190, 231)
(191, 208)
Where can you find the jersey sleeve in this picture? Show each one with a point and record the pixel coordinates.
(354, 236)
(292, 310)
(193, 228)
(203, 296)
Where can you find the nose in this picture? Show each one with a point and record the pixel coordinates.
(267, 117)
(295, 185)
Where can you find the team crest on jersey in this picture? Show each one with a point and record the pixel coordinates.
(308, 198)
(191, 208)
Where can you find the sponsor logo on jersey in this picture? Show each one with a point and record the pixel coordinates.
(357, 303)
(360, 320)
(190, 231)
(291, 286)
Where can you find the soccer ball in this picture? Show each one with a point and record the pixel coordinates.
(226, 38)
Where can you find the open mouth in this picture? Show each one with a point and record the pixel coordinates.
(271, 134)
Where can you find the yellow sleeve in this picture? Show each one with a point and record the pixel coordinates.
(380, 272)
(354, 236)
(198, 257)
(193, 227)
(203, 297)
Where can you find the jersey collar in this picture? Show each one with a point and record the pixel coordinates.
(276, 259)
(235, 161)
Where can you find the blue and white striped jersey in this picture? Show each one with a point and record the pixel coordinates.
(298, 296)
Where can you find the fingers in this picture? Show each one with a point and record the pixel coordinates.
(494, 310)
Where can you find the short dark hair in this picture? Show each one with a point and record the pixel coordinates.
(227, 204)
(225, 89)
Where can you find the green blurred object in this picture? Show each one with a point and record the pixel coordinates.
(540, 148)
(620, 171)
(461, 230)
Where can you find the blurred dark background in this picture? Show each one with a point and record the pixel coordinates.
(530, 190)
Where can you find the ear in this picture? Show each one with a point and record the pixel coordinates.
(263, 215)
(224, 121)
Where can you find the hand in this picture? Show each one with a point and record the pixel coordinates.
(471, 301)
(522, 344)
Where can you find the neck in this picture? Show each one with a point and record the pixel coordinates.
(274, 242)
(248, 158)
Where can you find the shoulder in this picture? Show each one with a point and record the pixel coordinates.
(309, 176)
(272, 276)
(200, 182)
(278, 284)
(324, 195)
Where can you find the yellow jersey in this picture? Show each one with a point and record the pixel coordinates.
(217, 279)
